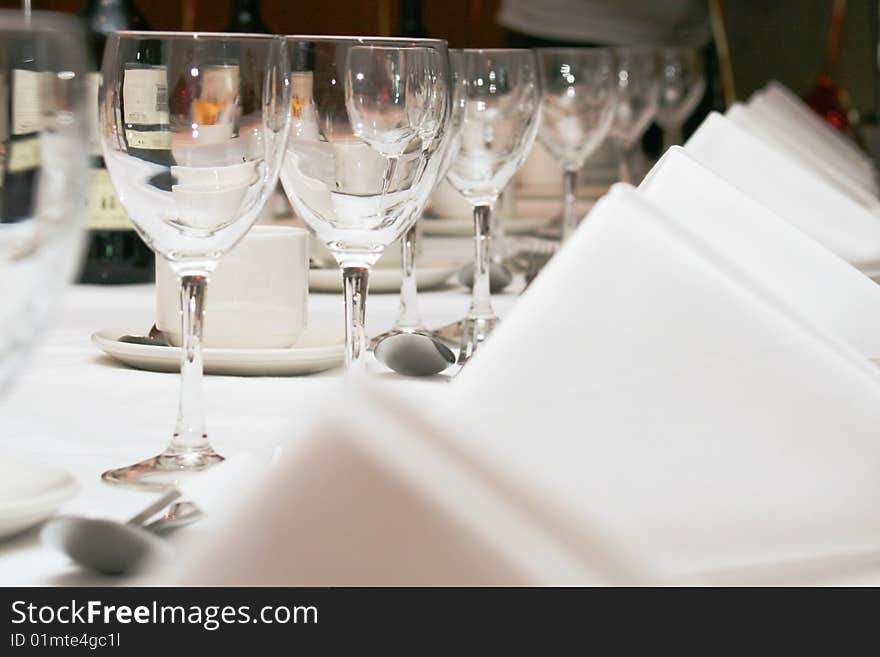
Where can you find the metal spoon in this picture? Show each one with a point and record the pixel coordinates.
(155, 338)
(413, 353)
(115, 548)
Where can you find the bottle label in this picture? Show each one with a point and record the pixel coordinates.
(145, 96)
(24, 154)
(27, 101)
(148, 140)
(104, 211)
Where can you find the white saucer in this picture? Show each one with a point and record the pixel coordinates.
(30, 493)
(315, 351)
(430, 275)
(589, 190)
(464, 226)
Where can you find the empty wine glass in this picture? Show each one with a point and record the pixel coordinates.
(194, 128)
(682, 83)
(408, 317)
(578, 96)
(500, 115)
(369, 119)
(44, 125)
(636, 102)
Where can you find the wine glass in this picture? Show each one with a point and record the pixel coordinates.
(370, 116)
(636, 102)
(193, 130)
(44, 123)
(578, 97)
(500, 115)
(408, 317)
(682, 83)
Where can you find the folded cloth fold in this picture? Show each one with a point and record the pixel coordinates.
(800, 272)
(776, 97)
(645, 383)
(790, 189)
(818, 158)
(648, 413)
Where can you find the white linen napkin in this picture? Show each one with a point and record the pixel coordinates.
(784, 127)
(797, 270)
(790, 189)
(647, 413)
(779, 98)
(652, 390)
(380, 495)
(817, 157)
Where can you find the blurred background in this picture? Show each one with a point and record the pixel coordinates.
(785, 40)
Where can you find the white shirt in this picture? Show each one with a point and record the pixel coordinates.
(611, 22)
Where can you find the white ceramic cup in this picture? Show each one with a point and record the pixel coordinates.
(257, 297)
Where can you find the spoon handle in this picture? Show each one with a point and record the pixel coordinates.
(155, 507)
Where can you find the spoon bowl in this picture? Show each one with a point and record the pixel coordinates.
(104, 546)
(414, 352)
(116, 548)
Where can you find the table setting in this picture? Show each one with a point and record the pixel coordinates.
(429, 321)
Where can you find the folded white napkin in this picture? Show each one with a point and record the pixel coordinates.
(817, 157)
(790, 189)
(655, 393)
(647, 413)
(797, 270)
(784, 128)
(799, 116)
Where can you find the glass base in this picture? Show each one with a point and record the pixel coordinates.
(162, 472)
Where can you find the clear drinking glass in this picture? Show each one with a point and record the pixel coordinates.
(408, 317)
(636, 103)
(578, 96)
(193, 128)
(682, 83)
(369, 120)
(44, 125)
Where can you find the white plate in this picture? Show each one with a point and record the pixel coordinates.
(428, 276)
(30, 493)
(464, 226)
(315, 351)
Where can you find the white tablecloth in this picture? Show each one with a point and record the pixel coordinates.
(76, 408)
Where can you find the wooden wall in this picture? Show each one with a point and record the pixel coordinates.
(782, 39)
(464, 23)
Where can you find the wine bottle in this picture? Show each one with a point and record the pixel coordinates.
(21, 133)
(116, 253)
(246, 18)
(411, 24)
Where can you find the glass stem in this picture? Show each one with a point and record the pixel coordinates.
(481, 300)
(672, 136)
(190, 435)
(408, 316)
(569, 218)
(355, 281)
(497, 243)
(624, 172)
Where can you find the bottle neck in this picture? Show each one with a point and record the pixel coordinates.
(93, 6)
(411, 23)
(246, 17)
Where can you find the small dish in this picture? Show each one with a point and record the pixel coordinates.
(30, 492)
(317, 349)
